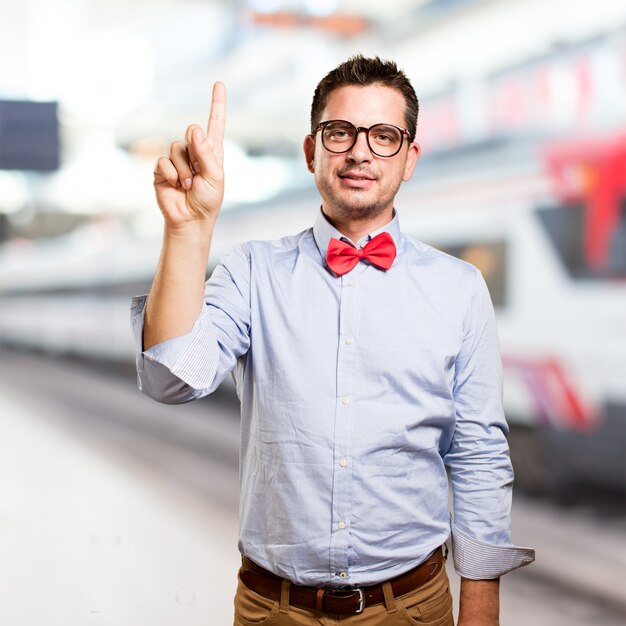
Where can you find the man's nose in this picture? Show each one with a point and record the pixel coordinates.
(360, 150)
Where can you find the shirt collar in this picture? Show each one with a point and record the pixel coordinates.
(323, 230)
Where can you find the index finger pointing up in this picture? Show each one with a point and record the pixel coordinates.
(217, 120)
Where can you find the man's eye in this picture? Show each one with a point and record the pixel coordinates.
(384, 138)
(387, 138)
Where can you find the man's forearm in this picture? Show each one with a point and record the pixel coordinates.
(177, 293)
(479, 603)
(189, 187)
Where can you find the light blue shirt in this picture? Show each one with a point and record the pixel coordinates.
(356, 393)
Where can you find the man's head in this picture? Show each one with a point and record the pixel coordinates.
(361, 146)
(362, 71)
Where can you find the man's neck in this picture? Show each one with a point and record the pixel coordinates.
(357, 229)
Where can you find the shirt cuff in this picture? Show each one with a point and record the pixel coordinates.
(193, 357)
(478, 560)
(137, 314)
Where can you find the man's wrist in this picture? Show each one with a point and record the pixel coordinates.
(198, 231)
(479, 603)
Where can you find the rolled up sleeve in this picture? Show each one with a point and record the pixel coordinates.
(194, 365)
(481, 473)
(480, 560)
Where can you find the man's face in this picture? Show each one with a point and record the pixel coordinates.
(358, 185)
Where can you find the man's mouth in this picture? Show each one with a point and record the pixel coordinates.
(355, 180)
(355, 176)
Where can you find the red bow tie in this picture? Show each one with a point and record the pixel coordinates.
(380, 251)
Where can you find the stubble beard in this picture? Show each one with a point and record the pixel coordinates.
(353, 205)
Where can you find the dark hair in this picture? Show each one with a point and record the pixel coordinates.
(362, 71)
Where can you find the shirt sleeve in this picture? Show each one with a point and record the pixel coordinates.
(481, 473)
(193, 365)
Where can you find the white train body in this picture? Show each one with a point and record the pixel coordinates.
(562, 335)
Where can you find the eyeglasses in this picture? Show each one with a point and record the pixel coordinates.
(384, 140)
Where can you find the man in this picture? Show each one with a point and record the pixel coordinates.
(365, 361)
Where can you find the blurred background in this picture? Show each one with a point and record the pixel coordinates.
(117, 511)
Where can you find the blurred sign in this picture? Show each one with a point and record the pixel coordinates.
(343, 25)
(578, 90)
(29, 136)
(594, 173)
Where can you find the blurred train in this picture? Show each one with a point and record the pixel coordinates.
(547, 227)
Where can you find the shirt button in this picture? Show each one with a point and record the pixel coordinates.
(343, 463)
(349, 341)
(341, 524)
(350, 283)
(343, 574)
(345, 400)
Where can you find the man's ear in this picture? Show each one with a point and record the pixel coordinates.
(411, 160)
(309, 152)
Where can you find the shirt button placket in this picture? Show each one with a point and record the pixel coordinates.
(342, 499)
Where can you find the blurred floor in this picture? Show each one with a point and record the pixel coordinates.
(118, 511)
(91, 534)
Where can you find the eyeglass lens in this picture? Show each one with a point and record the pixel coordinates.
(383, 139)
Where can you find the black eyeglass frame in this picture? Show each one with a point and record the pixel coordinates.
(403, 131)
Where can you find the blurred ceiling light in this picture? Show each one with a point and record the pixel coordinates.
(105, 179)
(253, 179)
(105, 75)
(13, 192)
(265, 6)
(101, 179)
(375, 9)
(321, 8)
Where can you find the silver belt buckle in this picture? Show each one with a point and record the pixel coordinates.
(361, 600)
(349, 593)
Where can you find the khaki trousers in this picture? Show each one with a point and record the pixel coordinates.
(430, 605)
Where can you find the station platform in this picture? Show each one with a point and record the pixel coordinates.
(89, 537)
(127, 515)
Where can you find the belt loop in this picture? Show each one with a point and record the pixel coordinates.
(390, 603)
(319, 600)
(445, 552)
(284, 596)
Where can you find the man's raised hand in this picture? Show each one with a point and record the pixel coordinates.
(189, 184)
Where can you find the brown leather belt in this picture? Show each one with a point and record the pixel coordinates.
(338, 601)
